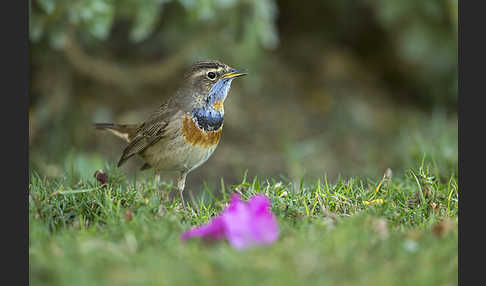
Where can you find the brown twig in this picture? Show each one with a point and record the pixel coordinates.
(124, 76)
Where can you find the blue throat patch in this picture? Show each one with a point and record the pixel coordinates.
(208, 118)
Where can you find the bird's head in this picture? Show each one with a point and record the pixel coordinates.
(205, 88)
(208, 83)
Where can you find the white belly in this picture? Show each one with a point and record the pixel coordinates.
(177, 156)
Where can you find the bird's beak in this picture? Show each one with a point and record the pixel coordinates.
(235, 73)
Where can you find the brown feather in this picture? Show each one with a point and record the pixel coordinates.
(147, 135)
(123, 131)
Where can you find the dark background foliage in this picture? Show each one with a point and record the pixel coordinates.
(335, 87)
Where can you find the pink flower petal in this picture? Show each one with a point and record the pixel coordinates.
(237, 220)
(243, 224)
(264, 226)
(212, 230)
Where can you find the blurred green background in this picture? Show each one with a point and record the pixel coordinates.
(336, 88)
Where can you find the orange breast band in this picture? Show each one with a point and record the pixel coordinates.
(196, 136)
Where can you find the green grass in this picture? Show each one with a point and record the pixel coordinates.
(127, 233)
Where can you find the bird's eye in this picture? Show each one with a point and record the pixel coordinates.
(211, 75)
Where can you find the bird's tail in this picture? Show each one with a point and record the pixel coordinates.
(123, 131)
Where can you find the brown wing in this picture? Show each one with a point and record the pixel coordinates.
(149, 132)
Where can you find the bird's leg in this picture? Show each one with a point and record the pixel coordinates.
(157, 178)
(181, 182)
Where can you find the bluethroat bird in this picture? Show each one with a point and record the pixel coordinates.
(184, 131)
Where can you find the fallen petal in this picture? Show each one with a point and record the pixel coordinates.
(101, 177)
(237, 220)
(251, 223)
(212, 230)
(243, 224)
(264, 225)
